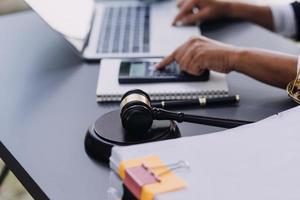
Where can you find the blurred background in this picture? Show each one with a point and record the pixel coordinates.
(11, 6)
(11, 188)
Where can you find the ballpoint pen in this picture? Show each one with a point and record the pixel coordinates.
(201, 102)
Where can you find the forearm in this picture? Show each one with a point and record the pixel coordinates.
(266, 66)
(261, 15)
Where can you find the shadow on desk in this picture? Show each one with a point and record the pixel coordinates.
(40, 72)
(213, 25)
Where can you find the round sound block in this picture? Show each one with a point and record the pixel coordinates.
(107, 132)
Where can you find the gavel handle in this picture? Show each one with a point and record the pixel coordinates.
(212, 121)
(161, 114)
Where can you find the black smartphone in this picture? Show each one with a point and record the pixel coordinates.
(145, 72)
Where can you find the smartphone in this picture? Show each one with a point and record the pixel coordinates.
(145, 72)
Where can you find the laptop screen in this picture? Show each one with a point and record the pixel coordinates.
(71, 18)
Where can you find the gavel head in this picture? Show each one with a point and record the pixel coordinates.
(136, 112)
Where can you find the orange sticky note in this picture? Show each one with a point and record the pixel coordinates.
(149, 161)
(168, 180)
(136, 178)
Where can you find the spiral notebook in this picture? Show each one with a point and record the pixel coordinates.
(109, 89)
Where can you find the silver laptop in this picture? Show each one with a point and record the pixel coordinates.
(115, 29)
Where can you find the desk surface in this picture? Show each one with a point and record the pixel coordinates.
(48, 101)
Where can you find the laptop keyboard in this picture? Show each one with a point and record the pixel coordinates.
(125, 30)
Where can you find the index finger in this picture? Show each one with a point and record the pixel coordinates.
(180, 3)
(166, 61)
(187, 7)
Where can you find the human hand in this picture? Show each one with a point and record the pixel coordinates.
(200, 53)
(180, 3)
(193, 11)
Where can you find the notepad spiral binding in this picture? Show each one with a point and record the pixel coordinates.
(168, 96)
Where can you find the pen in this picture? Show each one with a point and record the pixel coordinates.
(201, 102)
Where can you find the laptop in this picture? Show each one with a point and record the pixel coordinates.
(115, 29)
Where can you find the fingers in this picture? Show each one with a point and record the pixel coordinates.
(194, 18)
(180, 3)
(200, 53)
(185, 60)
(191, 62)
(166, 61)
(184, 57)
(196, 64)
(176, 55)
(186, 8)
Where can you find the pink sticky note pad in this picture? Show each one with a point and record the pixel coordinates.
(136, 178)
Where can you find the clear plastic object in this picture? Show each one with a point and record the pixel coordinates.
(115, 190)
